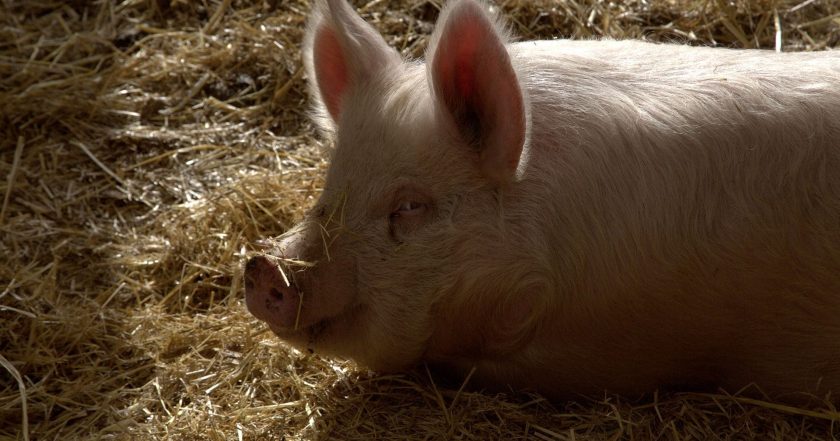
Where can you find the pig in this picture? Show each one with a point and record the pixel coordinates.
(569, 217)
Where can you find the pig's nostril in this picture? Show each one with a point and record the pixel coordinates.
(276, 293)
(252, 264)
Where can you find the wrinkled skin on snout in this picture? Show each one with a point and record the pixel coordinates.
(305, 295)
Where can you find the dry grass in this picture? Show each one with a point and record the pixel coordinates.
(146, 144)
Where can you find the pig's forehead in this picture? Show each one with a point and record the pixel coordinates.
(382, 130)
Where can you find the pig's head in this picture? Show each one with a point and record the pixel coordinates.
(406, 254)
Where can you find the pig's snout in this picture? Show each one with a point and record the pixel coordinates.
(269, 295)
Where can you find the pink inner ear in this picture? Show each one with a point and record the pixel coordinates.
(459, 65)
(475, 81)
(330, 69)
(465, 71)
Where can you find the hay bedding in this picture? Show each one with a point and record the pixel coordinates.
(145, 145)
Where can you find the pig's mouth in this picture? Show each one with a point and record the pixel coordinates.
(308, 332)
(312, 336)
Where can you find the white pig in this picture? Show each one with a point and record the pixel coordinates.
(567, 216)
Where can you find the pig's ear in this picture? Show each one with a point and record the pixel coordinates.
(340, 52)
(474, 83)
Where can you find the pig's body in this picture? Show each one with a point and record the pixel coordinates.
(683, 205)
(628, 216)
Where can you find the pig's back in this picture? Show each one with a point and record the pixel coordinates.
(688, 63)
(596, 78)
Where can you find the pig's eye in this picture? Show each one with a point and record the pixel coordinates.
(408, 208)
(407, 216)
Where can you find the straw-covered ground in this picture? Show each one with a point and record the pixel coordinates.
(146, 144)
